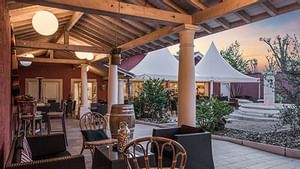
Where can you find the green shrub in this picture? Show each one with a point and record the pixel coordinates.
(152, 101)
(210, 114)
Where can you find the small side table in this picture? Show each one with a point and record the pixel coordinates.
(105, 158)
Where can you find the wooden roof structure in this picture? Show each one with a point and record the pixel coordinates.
(136, 26)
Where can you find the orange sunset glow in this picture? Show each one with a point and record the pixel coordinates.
(248, 37)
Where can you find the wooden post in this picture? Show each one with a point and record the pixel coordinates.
(5, 83)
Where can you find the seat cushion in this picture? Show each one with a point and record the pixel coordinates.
(94, 135)
(184, 129)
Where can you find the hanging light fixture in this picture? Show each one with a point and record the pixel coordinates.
(84, 55)
(45, 23)
(27, 63)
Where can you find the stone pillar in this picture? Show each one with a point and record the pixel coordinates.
(269, 89)
(121, 91)
(84, 107)
(186, 77)
(112, 96)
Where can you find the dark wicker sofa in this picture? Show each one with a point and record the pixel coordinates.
(47, 151)
(196, 142)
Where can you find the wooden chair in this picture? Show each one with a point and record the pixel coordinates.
(93, 128)
(57, 112)
(158, 145)
(27, 116)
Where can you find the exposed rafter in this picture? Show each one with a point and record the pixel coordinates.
(269, 8)
(197, 4)
(206, 28)
(55, 46)
(221, 9)
(222, 21)
(244, 16)
(171, 4)
(117, 8)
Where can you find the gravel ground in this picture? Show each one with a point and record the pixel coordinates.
(251, 125)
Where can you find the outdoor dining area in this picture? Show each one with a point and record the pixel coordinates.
(65, 88)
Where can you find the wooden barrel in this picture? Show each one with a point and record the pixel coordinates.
(121, 112)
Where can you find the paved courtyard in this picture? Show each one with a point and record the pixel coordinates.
(226, 155)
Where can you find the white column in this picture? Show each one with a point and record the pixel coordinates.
(186, 77)
(112, 96)
(84, 107)
(211, 86)
(121, 91)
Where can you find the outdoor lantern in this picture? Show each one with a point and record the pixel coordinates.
(45, 23)
(84, 55)
(27, 63)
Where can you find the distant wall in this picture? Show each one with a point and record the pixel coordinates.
(58, 71)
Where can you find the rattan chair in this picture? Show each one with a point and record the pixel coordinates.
(143, 147)
(92, 125)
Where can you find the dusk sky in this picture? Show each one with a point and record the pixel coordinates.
(248, 36)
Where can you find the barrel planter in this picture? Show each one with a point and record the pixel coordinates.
(121, 112)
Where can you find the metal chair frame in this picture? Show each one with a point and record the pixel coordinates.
(135, 148)
(94, 121)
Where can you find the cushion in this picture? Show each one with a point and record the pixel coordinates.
(26, 147)
(94, 135)
(25, 157)
(184, 129)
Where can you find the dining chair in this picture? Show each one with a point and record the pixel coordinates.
(27, 116)
(93, 128)
(147, 146)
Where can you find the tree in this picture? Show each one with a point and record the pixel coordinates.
(234, 57)
(285, 59)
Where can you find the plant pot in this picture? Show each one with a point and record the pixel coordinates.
(116, 59)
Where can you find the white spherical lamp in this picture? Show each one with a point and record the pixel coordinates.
(27, 63)
(84, 55)
(45, 23)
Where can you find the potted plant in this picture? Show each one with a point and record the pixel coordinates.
(115, 56)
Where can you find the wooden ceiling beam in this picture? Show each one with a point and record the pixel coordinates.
(222, 21)
(118, 9)
(91, 37)
(147, 38)
(103, 25)
(221, 9)
(74, 19)
(269, 7)
(55, 46)
(244, 16)
(48, 60)
(197, 4)
(174, 6)
(103, 29)
(139, 25)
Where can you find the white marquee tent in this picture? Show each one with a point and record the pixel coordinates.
(214, 68)
(157, 64)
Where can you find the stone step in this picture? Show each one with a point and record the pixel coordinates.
(250, 118)
(259, 112)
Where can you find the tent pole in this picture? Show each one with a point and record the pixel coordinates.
(211, 88)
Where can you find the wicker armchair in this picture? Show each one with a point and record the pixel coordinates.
(143, 147)
(93, 129)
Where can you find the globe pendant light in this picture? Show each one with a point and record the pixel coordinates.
(27, 63)
(45, 23)
(84, 55)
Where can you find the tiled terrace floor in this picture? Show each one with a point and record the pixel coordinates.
(226, 155)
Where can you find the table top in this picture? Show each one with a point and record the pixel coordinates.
(108, 152)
